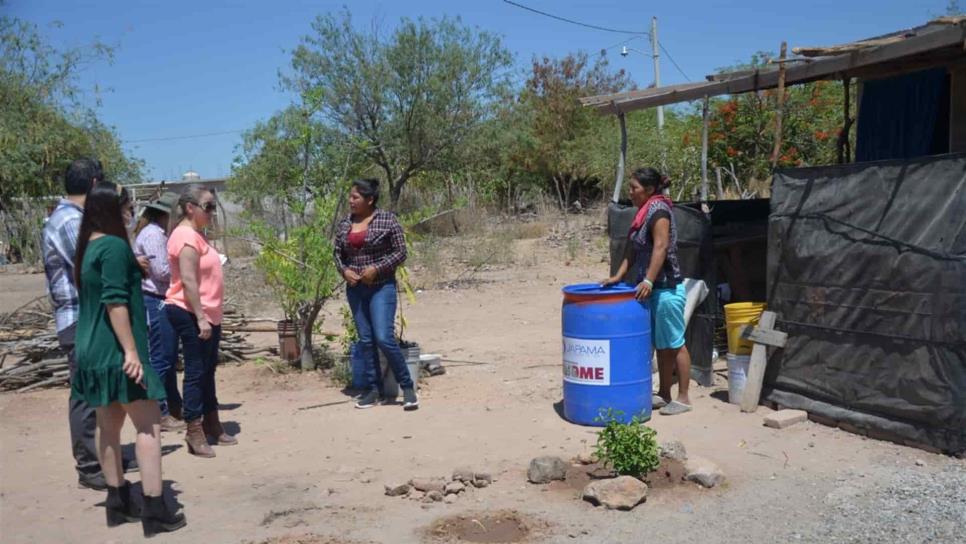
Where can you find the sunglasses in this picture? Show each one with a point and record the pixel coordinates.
(208, 208)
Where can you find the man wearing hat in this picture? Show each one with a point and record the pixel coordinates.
(150, 246)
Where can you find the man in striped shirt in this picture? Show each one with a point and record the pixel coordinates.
(59, 245)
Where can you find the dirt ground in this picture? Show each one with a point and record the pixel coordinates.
(309, 468)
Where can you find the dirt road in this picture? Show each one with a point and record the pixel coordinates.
(307, 463)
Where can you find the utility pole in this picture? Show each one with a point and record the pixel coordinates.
(657, 70)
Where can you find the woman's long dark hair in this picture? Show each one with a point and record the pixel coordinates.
(102, 213)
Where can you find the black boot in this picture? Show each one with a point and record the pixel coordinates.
(120, 508)
(157, 519)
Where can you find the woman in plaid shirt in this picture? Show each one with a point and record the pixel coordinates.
(369, 246)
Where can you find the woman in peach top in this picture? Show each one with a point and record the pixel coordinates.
(193, 305)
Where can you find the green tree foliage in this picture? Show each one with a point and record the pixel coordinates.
(562, 144)
(300, 269)
(407, 101)
(43, 124)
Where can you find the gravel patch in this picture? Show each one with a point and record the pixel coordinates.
(915, 505)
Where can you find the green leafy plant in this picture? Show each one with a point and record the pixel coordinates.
(629, 448)
(349, 333)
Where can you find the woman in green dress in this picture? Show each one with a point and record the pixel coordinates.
(111, 345)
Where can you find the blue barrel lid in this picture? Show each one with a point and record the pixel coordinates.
(592, 289)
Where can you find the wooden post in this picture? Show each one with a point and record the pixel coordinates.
(756, 368)
(620, 159)
(844, 145)
(704, 150)
(776, 152)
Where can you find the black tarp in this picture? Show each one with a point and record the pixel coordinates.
(867, 272)
(904, 116)
(694, 256)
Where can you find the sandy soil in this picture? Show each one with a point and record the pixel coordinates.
(310, 468)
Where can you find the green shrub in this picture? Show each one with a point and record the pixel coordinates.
(629, 448)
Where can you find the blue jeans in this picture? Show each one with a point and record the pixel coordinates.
(163, 350)
(200, 359)
(374, 312)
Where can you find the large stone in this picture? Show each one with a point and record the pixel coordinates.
(435, 496)
(546, 469)
(449, 499)
(454, 488)
(785, 418)
(703, 472)
(395, 490)
(674, 450)
(428, 484)
(483, 477)
(620, 493)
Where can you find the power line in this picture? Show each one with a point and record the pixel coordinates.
(605, 29)
(666, 52)
(573, 22)
(182, 137)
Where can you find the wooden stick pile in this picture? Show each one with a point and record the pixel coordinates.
(31, 356)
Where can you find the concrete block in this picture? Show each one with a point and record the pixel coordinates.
(785, 418)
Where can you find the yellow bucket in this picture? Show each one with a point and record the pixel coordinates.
(737, 315)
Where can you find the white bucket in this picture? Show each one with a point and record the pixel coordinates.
(389, 386)
(737, 376)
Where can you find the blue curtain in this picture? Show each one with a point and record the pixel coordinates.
(899, 117)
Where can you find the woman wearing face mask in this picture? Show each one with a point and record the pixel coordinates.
(111, 347)
(150, 245)
(652, 251)
(193, 305)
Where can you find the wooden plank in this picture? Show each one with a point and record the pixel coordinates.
(770, 338)
(756, 369)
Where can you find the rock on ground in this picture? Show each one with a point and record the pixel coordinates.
(428, 484)
(586, 458)
(674, 450)
(395, 490)
(453, 488)
(546, 469)
(703, 472)
(449, 499)
(785, 418)
(621, 493)
(464, 475)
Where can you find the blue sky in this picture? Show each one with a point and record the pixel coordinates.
(187, 68)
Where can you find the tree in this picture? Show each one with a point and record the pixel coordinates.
(44, 125)
(405, 102)
(301, 168)
(564, 140)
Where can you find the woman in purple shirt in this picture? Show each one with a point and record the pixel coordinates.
(150, 246)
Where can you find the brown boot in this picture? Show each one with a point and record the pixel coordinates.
(195, 438)
(170, 424)
(215, 431)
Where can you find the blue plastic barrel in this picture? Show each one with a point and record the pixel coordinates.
(606, 353)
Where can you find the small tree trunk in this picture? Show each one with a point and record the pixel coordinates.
(307, 323)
